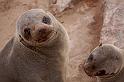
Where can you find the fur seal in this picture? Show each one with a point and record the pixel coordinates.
(106, 62)
(37, 52)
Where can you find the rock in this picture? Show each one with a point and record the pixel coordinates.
(58, 6)
(113, 24)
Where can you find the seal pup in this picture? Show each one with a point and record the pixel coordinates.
(106, 63)
(37, 52)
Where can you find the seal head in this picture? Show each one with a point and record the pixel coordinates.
(104, 61)
(36, 27)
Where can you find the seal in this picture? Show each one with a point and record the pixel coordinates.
(37, 52)
(106, 62)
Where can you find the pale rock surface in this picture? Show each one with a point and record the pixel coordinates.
(113, 24)
(58, 6)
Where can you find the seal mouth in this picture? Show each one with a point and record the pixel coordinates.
(103, 74)
(44, 37)
(100, 73)
(51, 36)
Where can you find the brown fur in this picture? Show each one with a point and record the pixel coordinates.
(35, 57)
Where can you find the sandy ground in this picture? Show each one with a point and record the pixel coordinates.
(81, 22)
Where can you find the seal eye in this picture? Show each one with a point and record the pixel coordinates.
(27, 33)
(46, 20)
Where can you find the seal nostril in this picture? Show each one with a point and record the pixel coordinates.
(27, 30)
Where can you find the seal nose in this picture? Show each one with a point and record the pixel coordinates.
(42, 33)
(89, 66)
(89, 69)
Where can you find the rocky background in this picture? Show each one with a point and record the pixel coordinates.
(113, 24)
(88, 23)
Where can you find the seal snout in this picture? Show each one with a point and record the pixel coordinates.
(42, 34)
(90, 67)
(38, 33)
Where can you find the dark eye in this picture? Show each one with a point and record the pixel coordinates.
(46, 20)
(27, 33)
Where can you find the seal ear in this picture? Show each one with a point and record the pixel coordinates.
(100, 44)
(51, 15)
